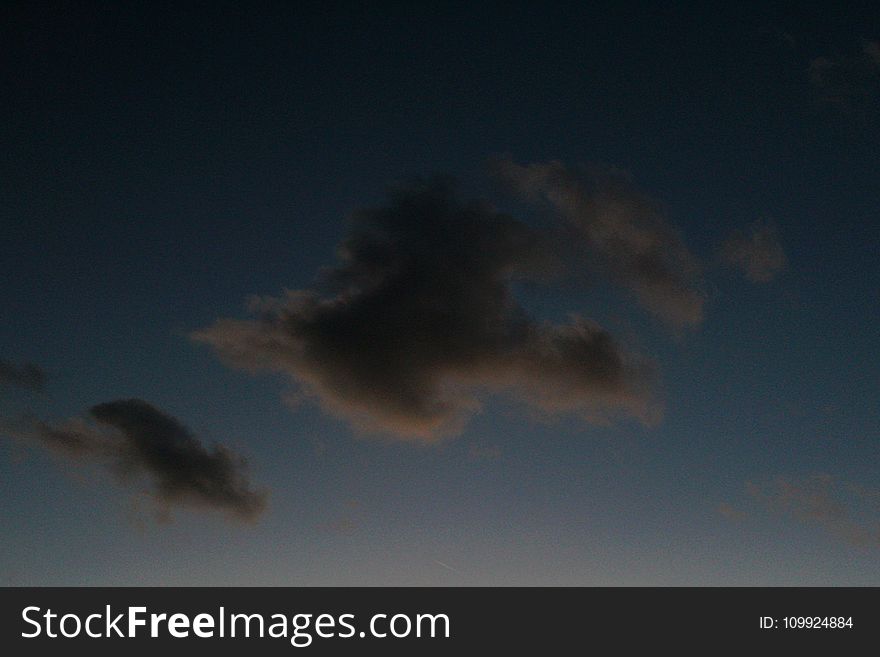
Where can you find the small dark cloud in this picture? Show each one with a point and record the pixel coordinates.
(844, 510)
(756, 251)
(418, 320)
(625, 234)
(848, 81)
(135, 439)
(27, 376)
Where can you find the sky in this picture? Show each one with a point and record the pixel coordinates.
(359, 294)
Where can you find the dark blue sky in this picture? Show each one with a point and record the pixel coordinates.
(160, 164)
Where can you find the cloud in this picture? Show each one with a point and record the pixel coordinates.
(417, 321)
(731, 512)
(133, 439)
(810, 498)
(871, 50)
(624, 232)
(844, 510)
(756, 251)
(347, 520)
(481, 452)
(26, 375)
(847, 80)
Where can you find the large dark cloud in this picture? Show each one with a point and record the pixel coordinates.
(624, 232)
(26, 375)
(756, 251)
(135, 439)
(417, 319)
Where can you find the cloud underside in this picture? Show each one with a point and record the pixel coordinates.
(417, 321)
(135, 440)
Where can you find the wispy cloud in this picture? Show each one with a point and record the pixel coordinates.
(731, 512)
(847, 80)
(624, 231)
(756, 251)
(846, 511)
(482, 452)
(417, 320)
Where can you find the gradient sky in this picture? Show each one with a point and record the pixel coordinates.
(160, 165)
